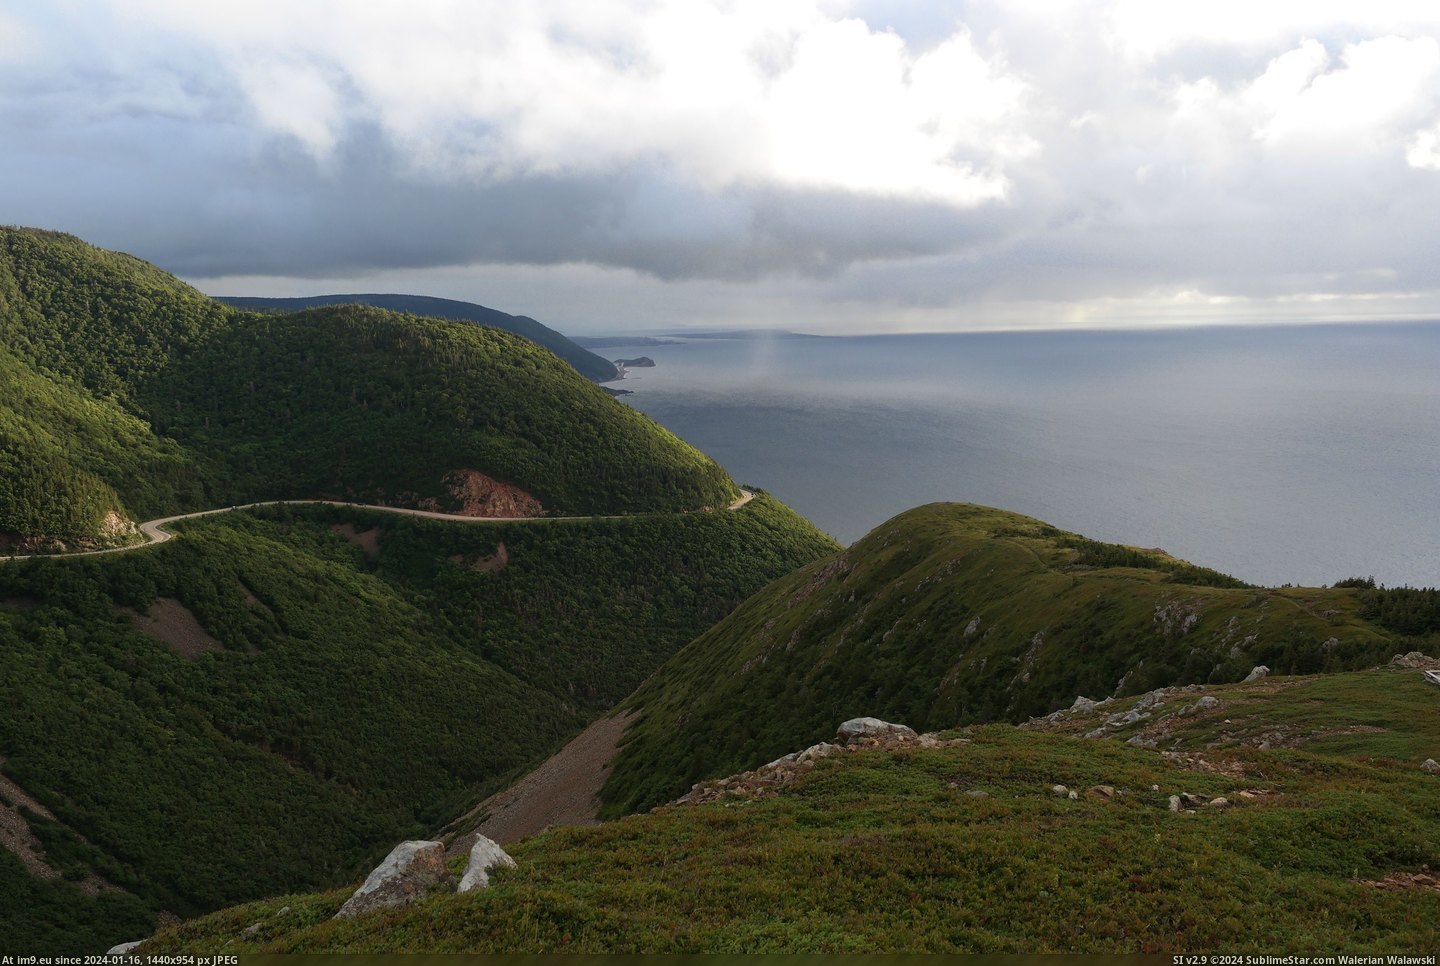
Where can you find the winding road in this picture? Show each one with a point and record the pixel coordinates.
(155, 532)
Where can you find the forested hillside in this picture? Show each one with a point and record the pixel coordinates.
(272, 700)
(587, 363)
(127, 394)
(953, 613)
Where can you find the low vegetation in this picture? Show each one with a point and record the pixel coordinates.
(968, 849)
(950, 614)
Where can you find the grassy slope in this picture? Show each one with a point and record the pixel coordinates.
(953, 613)
(357, 701)
(128, 390)
(884, 850)
(587, 363)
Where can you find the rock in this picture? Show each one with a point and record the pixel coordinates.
(1151, 699)
(1097, 733)
(1431, 765)
(1127, 718)
(1174, 803)
(1074, 796)
(871, 728)
(778, 762)
(123, 948)
(1103, 791)
(1256, 673)
(1206, 703)
(484, 856)
(284, 910)
(1190, 801)
(1432, 677)
(1059, 790)
(1248, 796)
(410, 872)
(1083, 704)
(1413, 659)
(1219, 803)
(250, 931)
(972, 627)
(1140, 741)
(977, 793)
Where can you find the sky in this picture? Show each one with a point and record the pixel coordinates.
(818, 165)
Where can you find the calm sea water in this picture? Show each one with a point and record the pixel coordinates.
(1280, 455)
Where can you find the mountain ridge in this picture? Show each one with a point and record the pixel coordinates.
(587, 363)
(950, 614)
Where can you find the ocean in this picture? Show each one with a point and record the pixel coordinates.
(1298, 454)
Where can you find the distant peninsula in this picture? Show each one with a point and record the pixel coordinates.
(640, 362)
(614, 341)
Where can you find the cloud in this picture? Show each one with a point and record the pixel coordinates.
(879, 155)
(721, 94)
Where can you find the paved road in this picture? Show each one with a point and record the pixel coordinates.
(155, 532)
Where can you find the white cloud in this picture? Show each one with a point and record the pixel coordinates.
(297, 100)
(1146, 29)
(1382, 82)
(1424, 149)
(720, 93)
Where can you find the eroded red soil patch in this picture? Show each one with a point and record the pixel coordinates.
(485, 496)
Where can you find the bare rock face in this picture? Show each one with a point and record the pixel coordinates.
(410, 872)
(123, 948)
(484, 856)
(1259, 672)
(857, 728)
(1430, 765)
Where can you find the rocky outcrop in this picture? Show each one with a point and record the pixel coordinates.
(1415, 659)
(410, 872)
(484, 856)
(857, 734)
(123, 948)
(857, 728)
(1256, 673)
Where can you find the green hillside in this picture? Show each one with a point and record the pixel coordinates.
(127, 391)
(1324, 844)
(587, 363)
(269, 702)
(366, 404)
(950, 614)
